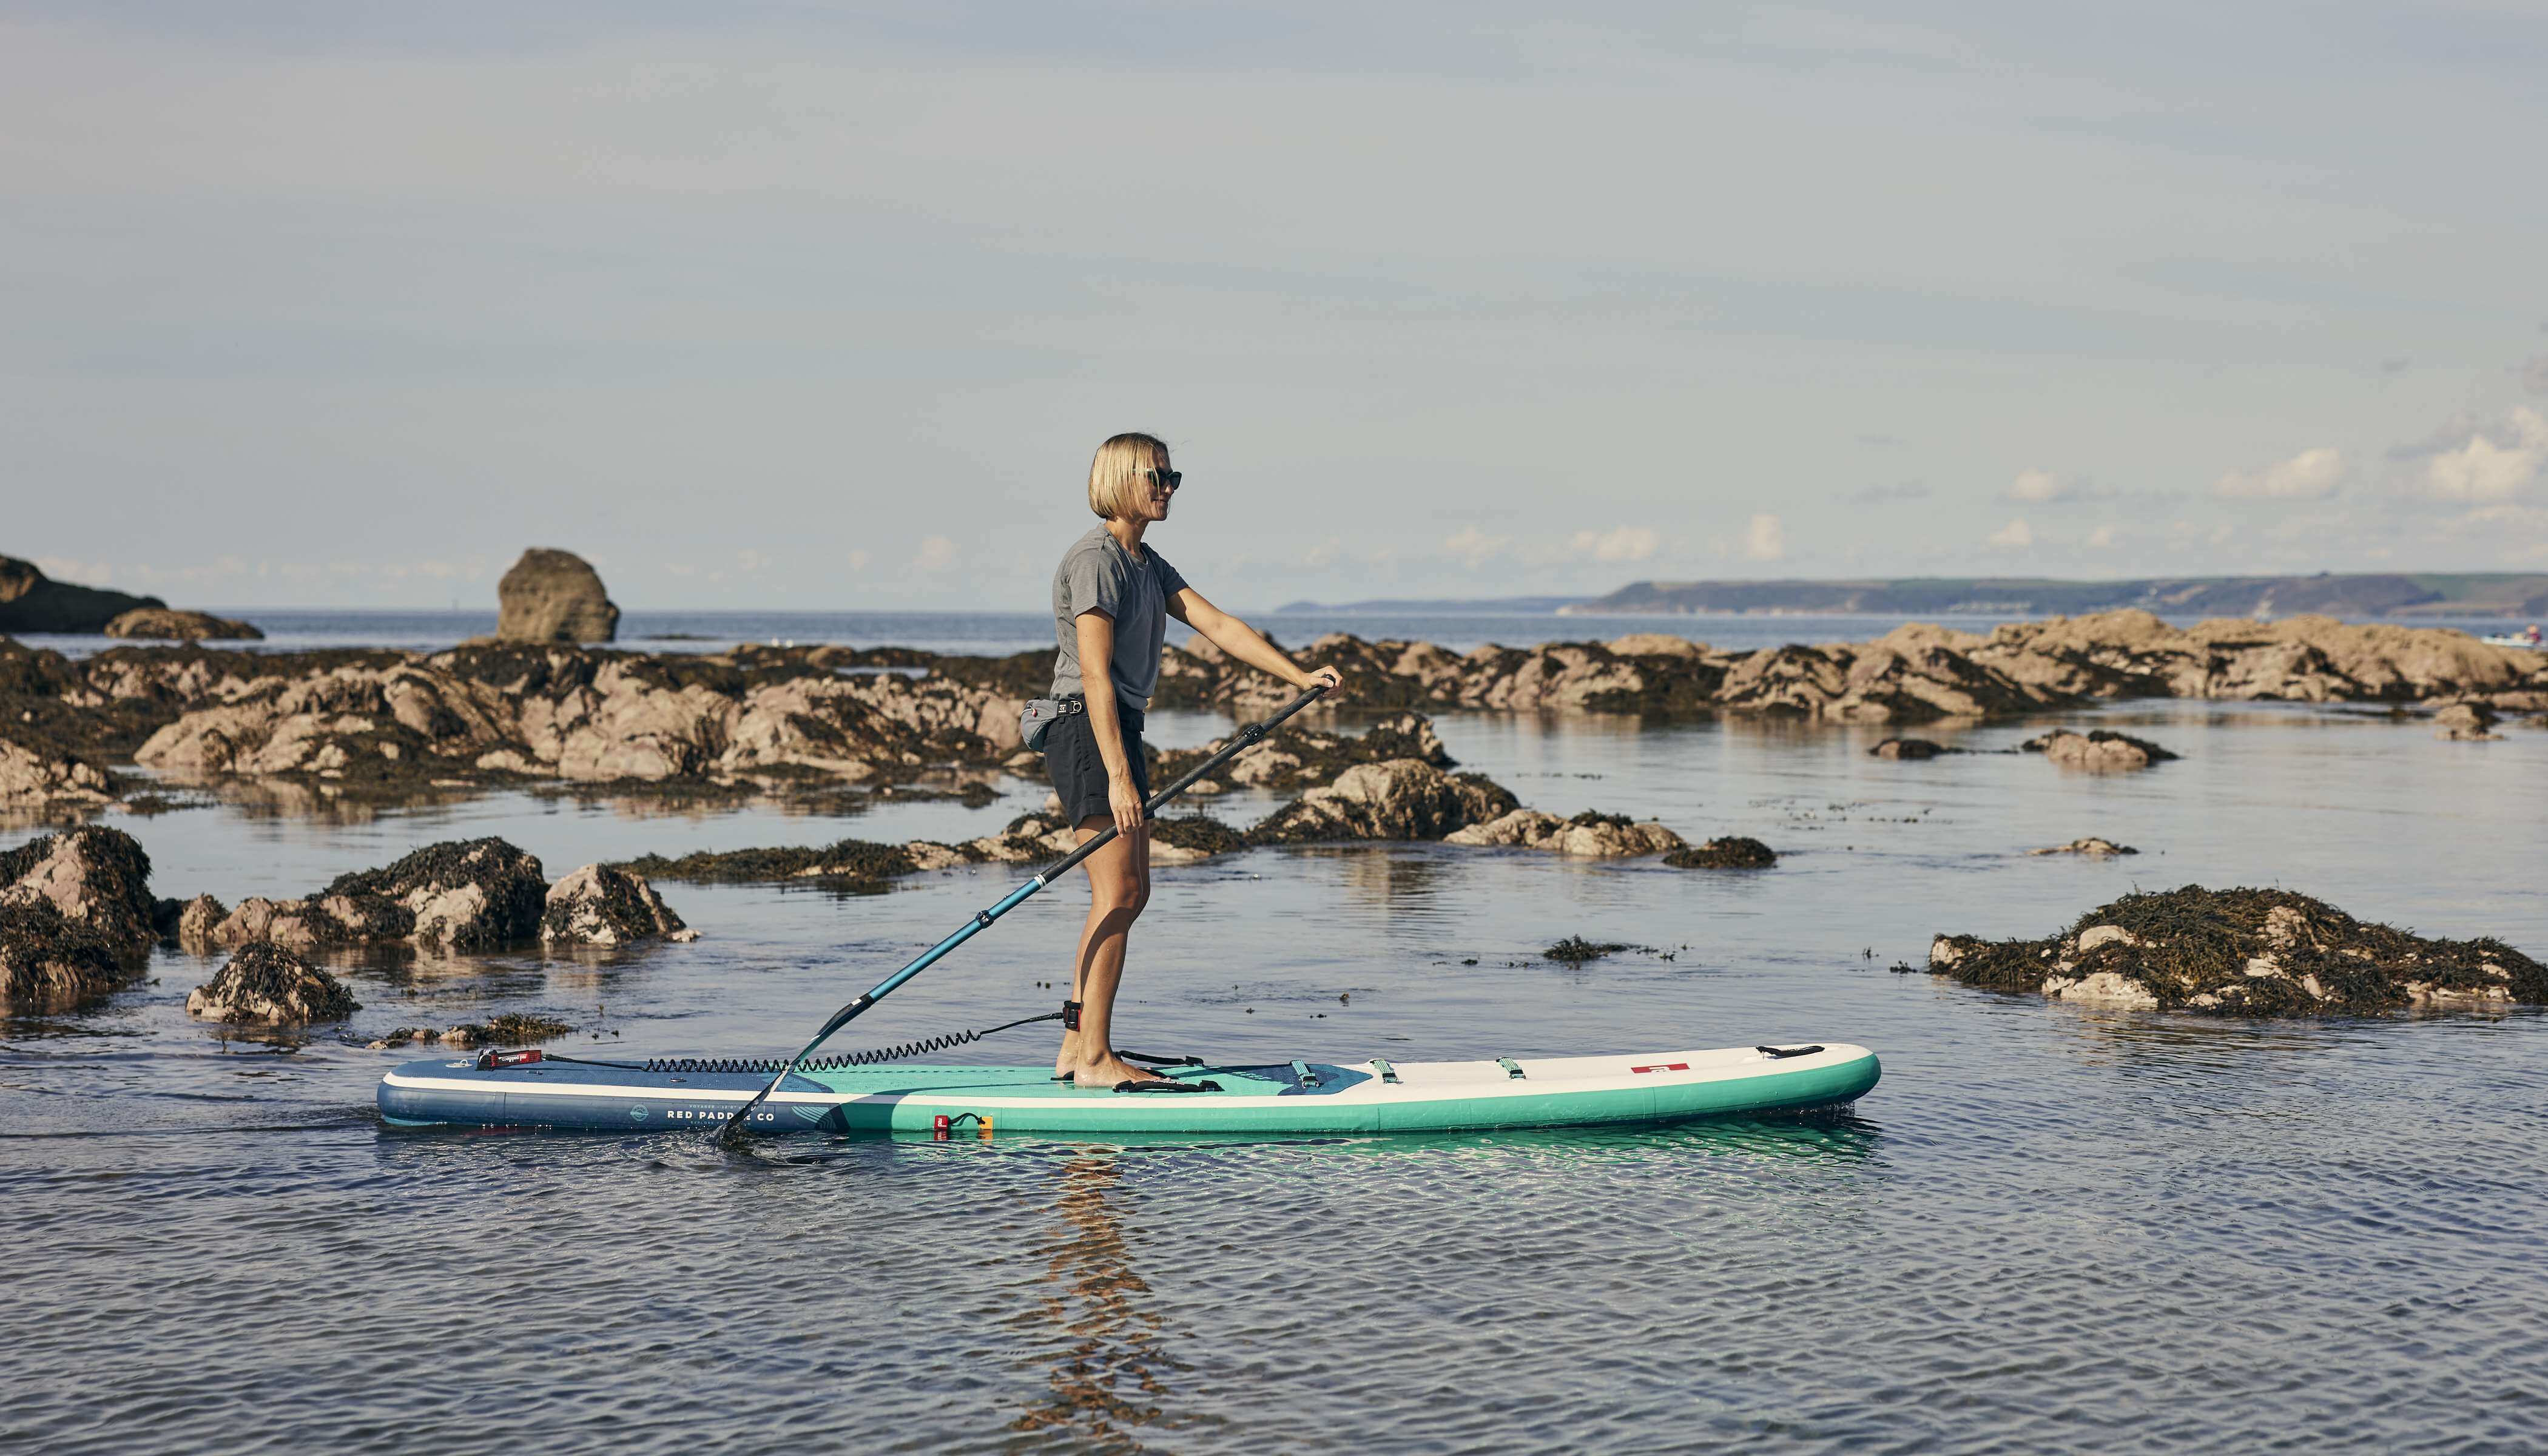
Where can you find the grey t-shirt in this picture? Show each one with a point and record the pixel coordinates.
(1098, 574)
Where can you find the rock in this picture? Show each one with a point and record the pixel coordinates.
(849, 859)
(198, 919)
(2089, 845)
(462, 894)
(1592, 836)
(554, 597)
(1656, 644)
(1731, 852)
(1303, 758)
(49, 962)
(600, 906)
(181, 626)
(2098, 752)
(34, 771)
(2466, 722)
(2244, 952)
(31, 601)
(1398, 799)
(95, 876)
(264, 982)
(1909, 748)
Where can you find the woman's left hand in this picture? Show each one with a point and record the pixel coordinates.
(1327, 678)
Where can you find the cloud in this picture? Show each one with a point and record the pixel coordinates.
(2044, 488)
(1765, 538)
(859, 561)
(2104, 538)
(1473, 547)
(937, 554)
(1879, 495)
(2016, 533)
(2496, 460)
(2534, 374)
(2311, 475)
(1620, 543)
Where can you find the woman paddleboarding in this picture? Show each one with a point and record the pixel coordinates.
(1112, 597)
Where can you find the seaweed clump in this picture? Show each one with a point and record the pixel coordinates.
(1734, 852)
(2244, 953)
(1198, 832)
(850, 859)
(1575, 949)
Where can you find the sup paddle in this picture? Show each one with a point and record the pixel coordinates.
(736, 1126)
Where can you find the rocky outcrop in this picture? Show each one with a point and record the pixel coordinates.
(1734, 852)
(95, 876)
(512, 1029)
(600, 906)
(1910, 749)
(2098, 751)
(461, 895)
(1303, 757)
(1916, 673)
(1586, 835)
(197, 920)
(266, 983)
(2466, 722)
(2244, 953)
(1397, 800)
(34, 771)
(2093, 847)
(31, 601)
(75, 918)
(554, 597)
(181, 626)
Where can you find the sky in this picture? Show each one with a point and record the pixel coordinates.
(779, 304)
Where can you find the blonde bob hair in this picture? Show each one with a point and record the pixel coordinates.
(1116, 473)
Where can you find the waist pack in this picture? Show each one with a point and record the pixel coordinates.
(1041, 713)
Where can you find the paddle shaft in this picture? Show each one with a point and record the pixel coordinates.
(1247, 738)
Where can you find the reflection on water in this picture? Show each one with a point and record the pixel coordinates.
(1110, 1378)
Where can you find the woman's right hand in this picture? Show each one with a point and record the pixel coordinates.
(1124, 798)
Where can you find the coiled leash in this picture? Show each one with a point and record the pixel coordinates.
(1247, 738)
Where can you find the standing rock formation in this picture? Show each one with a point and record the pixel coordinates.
(75, 916)
(599, 906)
(31, 601)
(554, 597)
(181, 626)
(265, 982)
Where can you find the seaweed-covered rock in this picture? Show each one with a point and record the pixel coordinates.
(1400, 799)
(849, 859)
(1910, 748)
(49, 962)
(552, 596)
(600, 906)
(1734, 852)
(1303, 758)
(196, 921)
(2466, 722)
(2244, 953)
(1196, 836)
(34, 770)
(264, 982)
(1590, 835)
(464, 894)
(181, 626)
(2099, 751)
(2091, 845)
(94, 875)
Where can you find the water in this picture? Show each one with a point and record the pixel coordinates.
(289, 629)
(2049, 1228)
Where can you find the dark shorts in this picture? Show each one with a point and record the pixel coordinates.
(1079, 775)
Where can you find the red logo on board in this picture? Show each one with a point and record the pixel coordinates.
(1668, 1066)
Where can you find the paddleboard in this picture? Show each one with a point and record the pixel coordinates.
(1301, 1096)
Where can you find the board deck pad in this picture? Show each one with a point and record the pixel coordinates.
(1251, 1098)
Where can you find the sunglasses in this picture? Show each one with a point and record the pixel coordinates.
(1168, 477)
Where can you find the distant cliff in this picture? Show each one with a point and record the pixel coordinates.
(31, 601)
(2363, 596)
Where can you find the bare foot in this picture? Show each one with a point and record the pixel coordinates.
(1105, 1072)
(1068, 1059)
